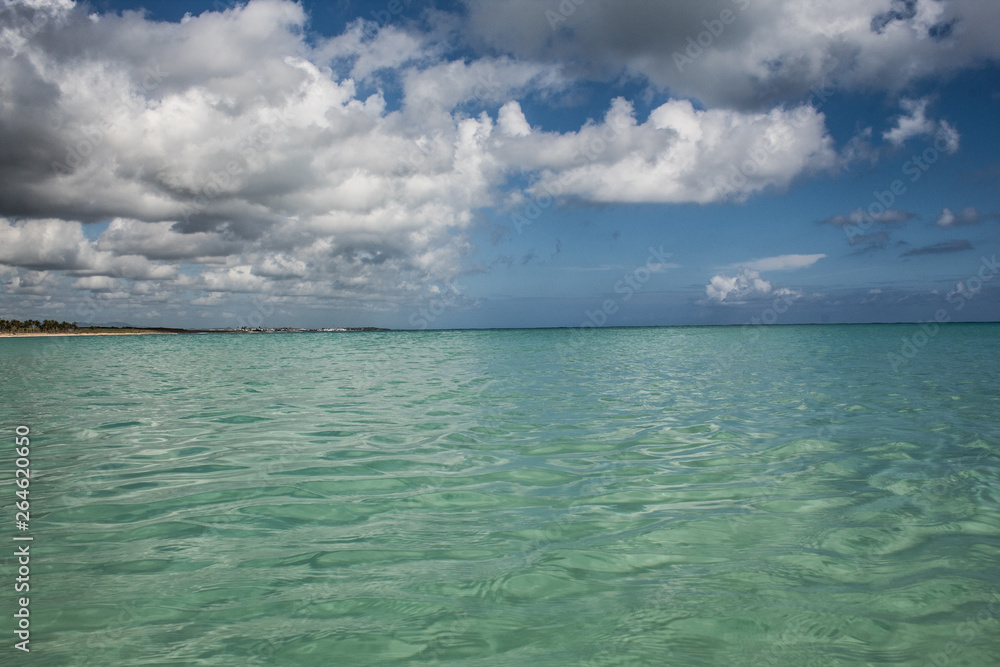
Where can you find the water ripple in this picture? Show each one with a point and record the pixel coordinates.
(513, 497)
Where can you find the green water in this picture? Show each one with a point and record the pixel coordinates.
(687, 496)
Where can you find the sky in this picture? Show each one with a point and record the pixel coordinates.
(475, 163)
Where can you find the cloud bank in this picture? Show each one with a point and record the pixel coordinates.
(229, 144)
(745, 53)
(234, 153)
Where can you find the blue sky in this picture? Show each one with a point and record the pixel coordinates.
(479, 164)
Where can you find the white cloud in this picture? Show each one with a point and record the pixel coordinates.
(432, 93)
(746, 286)
(262, 169)
(38, 283)
(369, 49)
(98, 283)
(258, 160)
(265, 173)
(45, 244)
(946, 219)
(210, 299)
(160, 241)
(915, 123)
(679, 154)
(969, 215)
(783, 262)
(60, 244)
(511, 120)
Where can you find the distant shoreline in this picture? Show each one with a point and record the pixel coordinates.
(172, 331)
(46, 334)
(128, 331)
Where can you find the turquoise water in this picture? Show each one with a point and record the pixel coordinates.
(676, 496)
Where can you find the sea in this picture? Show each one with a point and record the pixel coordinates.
(784, 495)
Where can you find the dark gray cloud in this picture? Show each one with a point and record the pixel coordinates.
(955, 245)
(859, 217)
(875, 241)
(745, 53)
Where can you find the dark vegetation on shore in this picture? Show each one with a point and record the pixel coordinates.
(35, 326)
(56, 327)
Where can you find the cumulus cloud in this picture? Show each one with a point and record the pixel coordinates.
(679, 154)
(228, 154)
(254, 162)
(915, 123)
(748, 285)
(364, 49)
(61, 245)
(745, 286)
(740, 53)
(969, 215)
(433, 92)
(45, 244)
(232, 153)
(162, 241)
(511, 120)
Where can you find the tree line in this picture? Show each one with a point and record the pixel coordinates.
(29, 326)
